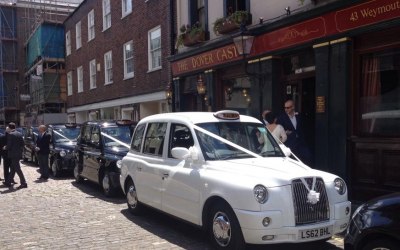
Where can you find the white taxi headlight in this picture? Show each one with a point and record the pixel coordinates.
(340, 186)
(261, 194)
(63, 153)
(119, 164)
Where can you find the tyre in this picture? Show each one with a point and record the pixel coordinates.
(223, 228)
(108, 189)
(132, 201)
(381, 244)
(77, 175)
(54, 169)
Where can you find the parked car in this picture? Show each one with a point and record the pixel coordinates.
(99, 150)
(226, 173)
(62, 145)
(375, 225)
(30, 135)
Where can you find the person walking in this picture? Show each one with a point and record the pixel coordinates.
(43, 151)
(15, 144)
(292, 123)
(4, 156)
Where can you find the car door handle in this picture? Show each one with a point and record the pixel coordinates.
(165, 176)
(139, 168)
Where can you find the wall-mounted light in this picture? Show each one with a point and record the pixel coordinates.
(201, 87)
(244, 41)
(229, 91)
(244, 92)
(288, 12)
(168, 93)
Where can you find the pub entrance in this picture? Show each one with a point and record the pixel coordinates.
(302, 92)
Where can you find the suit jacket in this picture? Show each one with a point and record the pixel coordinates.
(295, 139)
(43, 142)
(3, 142)
(15, 145)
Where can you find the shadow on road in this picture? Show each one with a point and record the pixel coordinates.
(170, 229)
(93, 190)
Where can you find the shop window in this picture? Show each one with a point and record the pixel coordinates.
(237, 94)
(380, 93)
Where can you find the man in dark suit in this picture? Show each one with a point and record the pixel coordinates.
(292, 123)
(15, 144)
(4, 156)
(43, 151)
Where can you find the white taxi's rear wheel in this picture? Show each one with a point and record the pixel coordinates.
(224, 229)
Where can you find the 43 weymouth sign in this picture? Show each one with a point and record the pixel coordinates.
(368, 13)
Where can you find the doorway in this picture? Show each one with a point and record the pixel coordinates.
(302, 92)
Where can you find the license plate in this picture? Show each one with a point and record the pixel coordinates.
(315, 233)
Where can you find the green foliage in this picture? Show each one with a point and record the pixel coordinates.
(236, 17)
(187, 30)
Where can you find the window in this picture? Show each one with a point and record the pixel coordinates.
(92, 71)
(235, 5)
(155, 49)
(91, 33)
(380, 93)
(69, 83)
(68, 42)
(180, 137)
(79, 73)
(154, 140)
(106, 14)
(128, 59)
(198, 13)
(108, 74)
(78, 35)
(137, 138)
(126, 7)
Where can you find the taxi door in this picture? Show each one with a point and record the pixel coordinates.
(181, 178)
(149, 165)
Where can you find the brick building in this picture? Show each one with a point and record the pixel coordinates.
(116, 59)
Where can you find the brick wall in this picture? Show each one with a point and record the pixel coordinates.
(135, 26)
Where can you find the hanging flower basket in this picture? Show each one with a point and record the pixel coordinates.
(227, 27)
(191, 40)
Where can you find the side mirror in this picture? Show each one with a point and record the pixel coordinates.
(180, 153)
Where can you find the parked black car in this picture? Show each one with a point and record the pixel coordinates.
(375, 225)
(99, 150)
(30, 135)
(62, 145)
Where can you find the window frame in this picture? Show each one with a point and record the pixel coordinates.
(92, 74)
(152, 51)
(125, 61)
(108, 74)
(79, 75)
(68, 46)
(124, 5)
(106, 14)
(78, 33)
(69, 83)
(91, 26)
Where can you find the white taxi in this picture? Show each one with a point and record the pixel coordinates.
(227, 174)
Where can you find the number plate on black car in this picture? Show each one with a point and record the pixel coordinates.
(315, 233)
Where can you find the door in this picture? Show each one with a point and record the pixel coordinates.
(302, 92)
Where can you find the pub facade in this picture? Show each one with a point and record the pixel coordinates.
(338, 60)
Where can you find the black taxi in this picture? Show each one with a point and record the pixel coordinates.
(99, 150)
(62, 145)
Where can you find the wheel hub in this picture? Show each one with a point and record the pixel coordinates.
(132, 197)
(222, 229)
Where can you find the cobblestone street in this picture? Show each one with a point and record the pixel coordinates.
(61, 214)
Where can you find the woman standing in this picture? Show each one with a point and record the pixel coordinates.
(276, 129)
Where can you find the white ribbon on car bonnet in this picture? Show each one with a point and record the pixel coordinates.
(312, 196)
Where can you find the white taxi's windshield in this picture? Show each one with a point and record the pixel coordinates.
(248, 136)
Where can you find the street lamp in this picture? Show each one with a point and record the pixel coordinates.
(244, 41)
(168, 93)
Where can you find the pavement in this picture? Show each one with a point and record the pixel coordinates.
(62, 214)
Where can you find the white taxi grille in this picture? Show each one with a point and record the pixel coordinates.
(304, 211)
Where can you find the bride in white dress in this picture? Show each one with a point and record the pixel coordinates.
(276, 129)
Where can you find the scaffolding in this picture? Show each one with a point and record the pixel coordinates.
(19, 20)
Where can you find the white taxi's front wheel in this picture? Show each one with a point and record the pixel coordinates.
(131, 198)
(224, 229)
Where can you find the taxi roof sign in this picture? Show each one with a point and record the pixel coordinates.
(227, 115)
